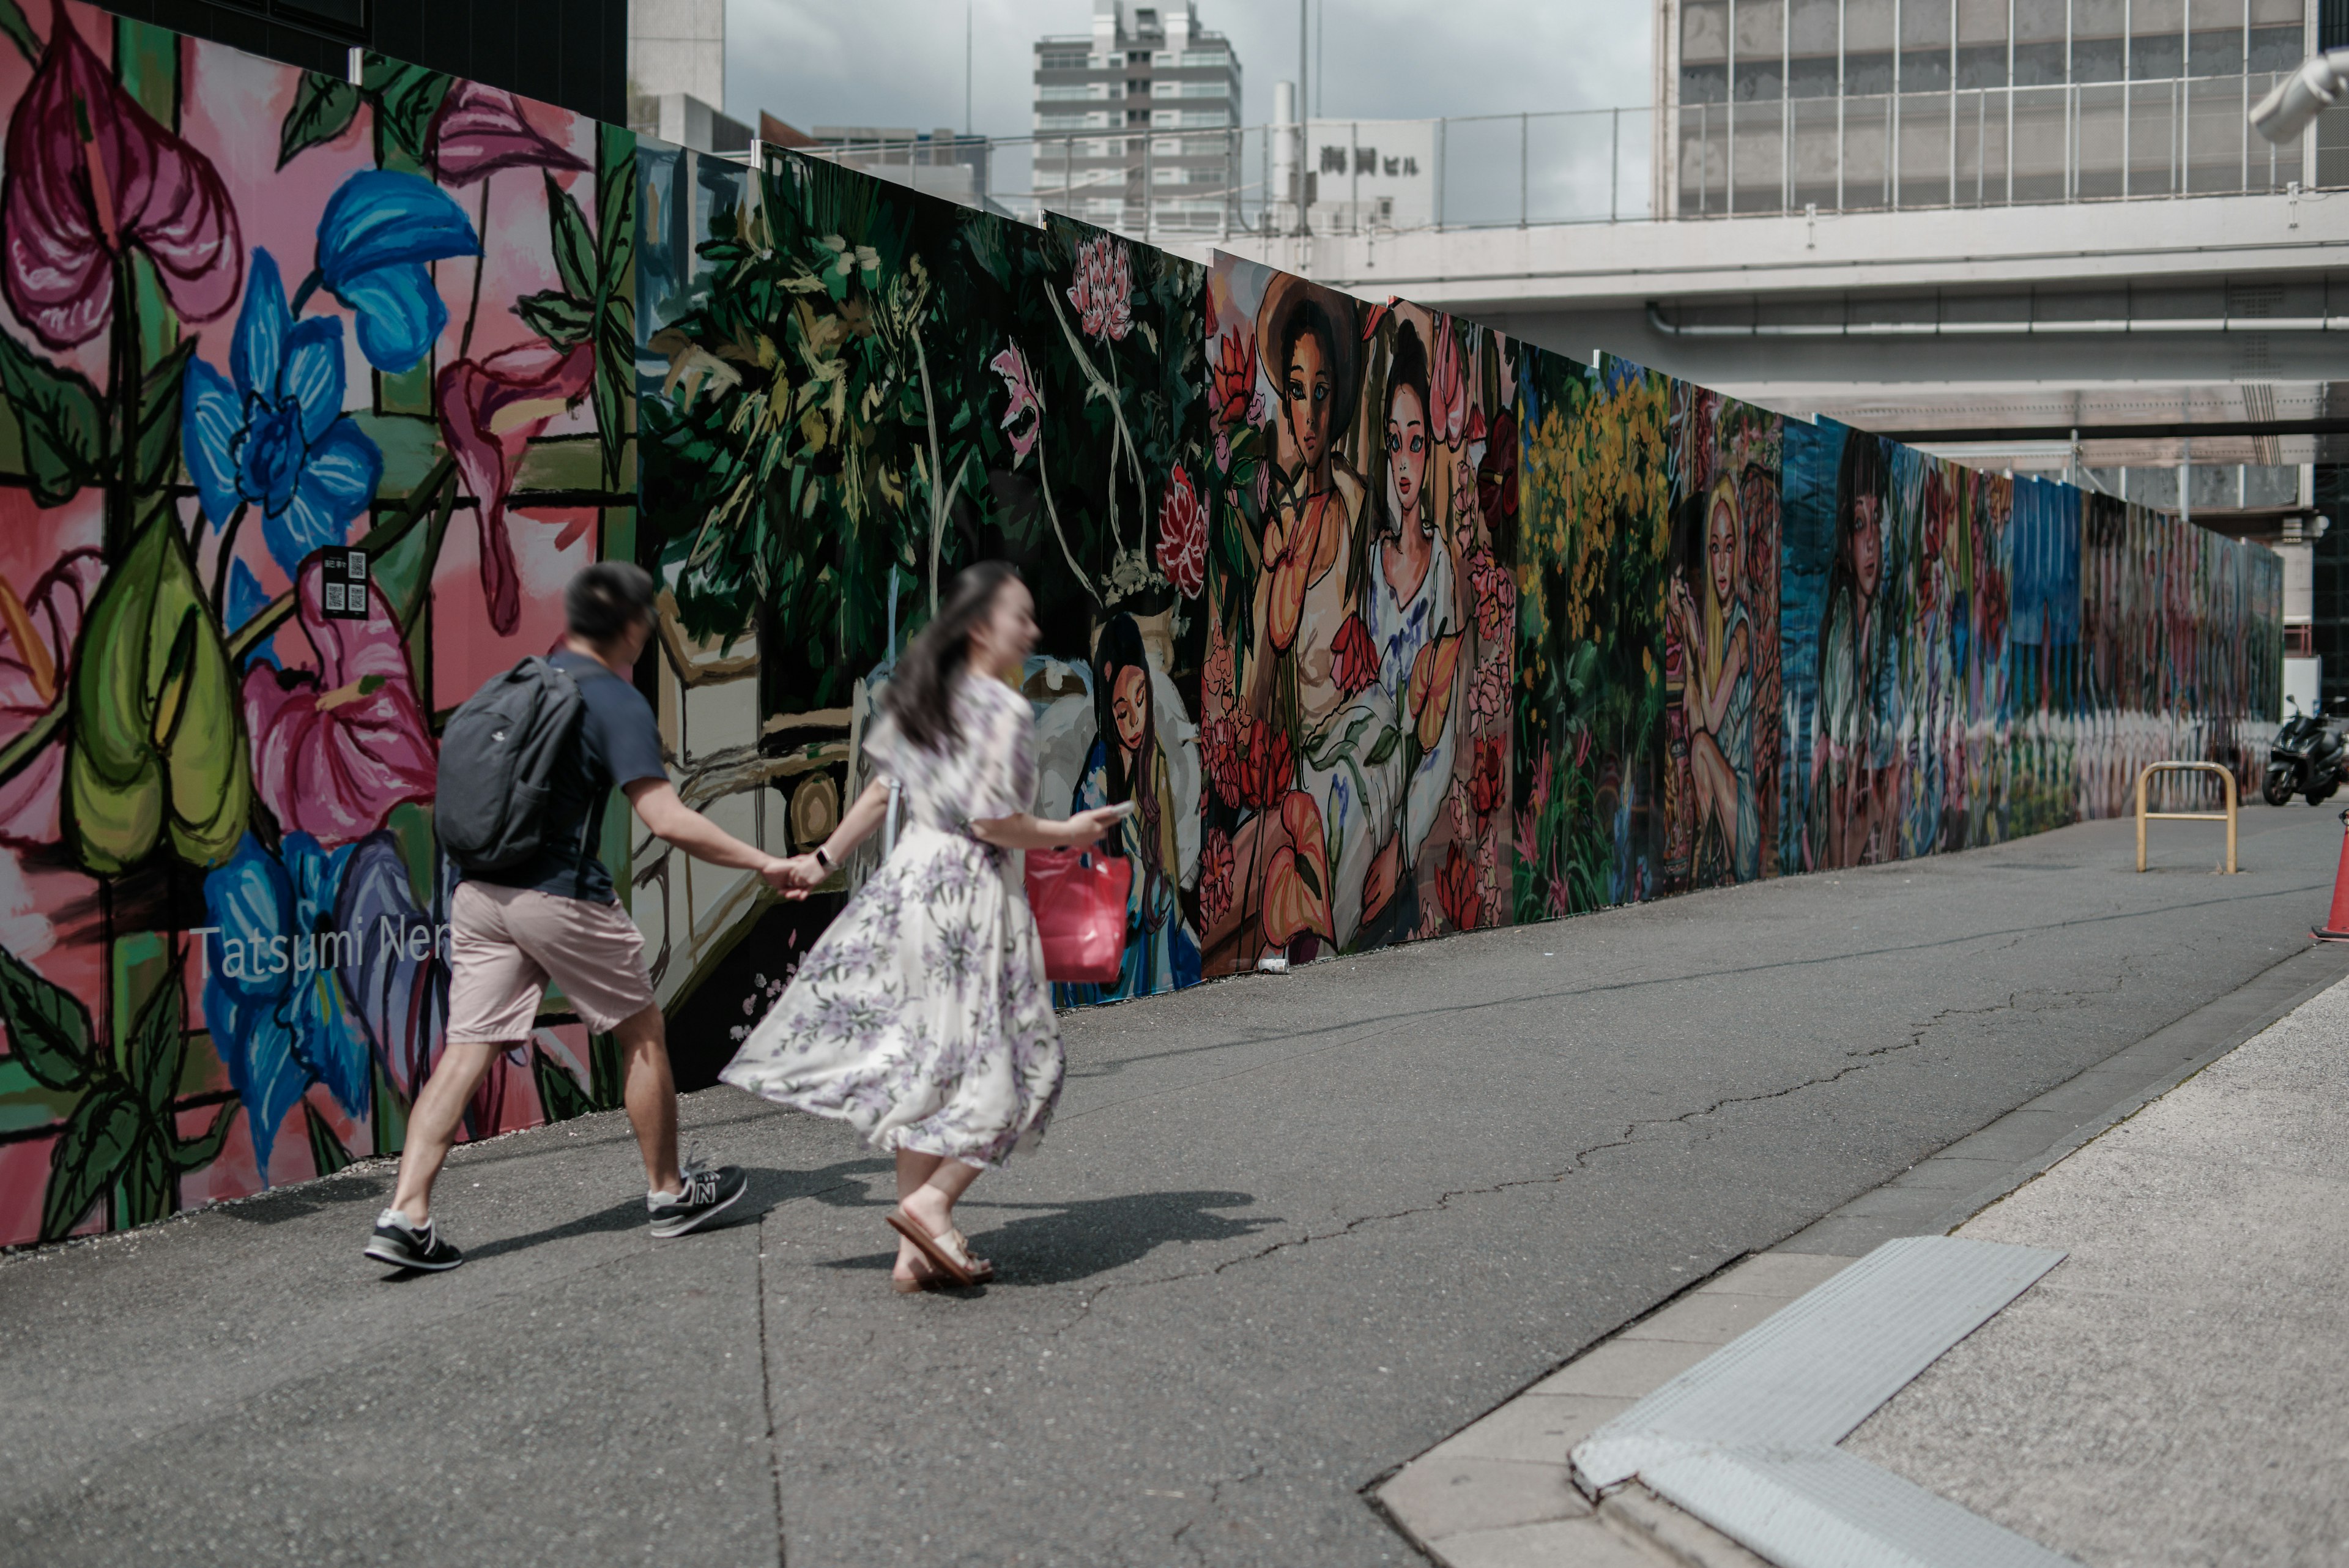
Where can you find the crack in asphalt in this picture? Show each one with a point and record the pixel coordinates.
(1634, 1133)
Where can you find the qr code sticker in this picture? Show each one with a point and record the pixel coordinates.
(357, 569)
(334, 596)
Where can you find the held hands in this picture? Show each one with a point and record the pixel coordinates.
(794, 877)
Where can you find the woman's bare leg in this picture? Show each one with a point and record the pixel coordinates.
(931, 1204)
(914, 1170)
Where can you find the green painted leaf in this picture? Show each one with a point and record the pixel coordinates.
(327, 1154)
(145, 1193)
(49, 1028)
(58, 410)
(1383, 747)
(19, 30)
(557, 317)
(193, 1154)
(158, 742)
(559, 1092)
(97, 1143)
(159, 418)
(407, 98)
(574, 247)
(158, 1045)
(323, 107)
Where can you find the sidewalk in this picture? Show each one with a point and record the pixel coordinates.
(2177, 1391)
(2174, 1393)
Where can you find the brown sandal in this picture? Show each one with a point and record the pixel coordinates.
(940, 1251)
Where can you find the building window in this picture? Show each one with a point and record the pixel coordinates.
(1060, 62)
(1205, 58)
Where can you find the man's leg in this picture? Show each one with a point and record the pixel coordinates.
(650, 1092)
(432, 1122)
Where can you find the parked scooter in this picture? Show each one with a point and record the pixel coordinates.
(2306, 758)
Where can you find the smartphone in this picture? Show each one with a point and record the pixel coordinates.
(1121, 810)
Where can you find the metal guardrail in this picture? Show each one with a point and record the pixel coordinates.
(1972, 146)
(2227, 816)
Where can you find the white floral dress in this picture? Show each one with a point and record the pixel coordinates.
(921, 1017)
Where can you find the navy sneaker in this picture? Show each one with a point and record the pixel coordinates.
(403, 1246)
(708, 1192)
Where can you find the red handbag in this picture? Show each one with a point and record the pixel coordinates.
(1079, 899)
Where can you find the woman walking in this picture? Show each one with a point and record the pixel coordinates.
(922, 1017)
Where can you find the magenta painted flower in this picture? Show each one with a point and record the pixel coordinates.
(481, 129)
(1103, 290)
(489, 412)
(91, 176)
(1012, 366)
(36, 639)
(1183, 535)
(334, 748)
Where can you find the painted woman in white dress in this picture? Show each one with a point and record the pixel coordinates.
(922, 1017)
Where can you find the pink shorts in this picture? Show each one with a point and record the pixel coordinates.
(506, 943)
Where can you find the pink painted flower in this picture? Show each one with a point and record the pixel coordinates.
(1020, 383)
(334, 748)
(1488, 695)
(37, 640)
(1215, 874)
(1448, 419)
(1103, 290)
(1183, 535)
(91, 176)
(1495, 592)
(489, 412)
(481, 129)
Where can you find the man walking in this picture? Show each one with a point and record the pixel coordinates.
(554, 916)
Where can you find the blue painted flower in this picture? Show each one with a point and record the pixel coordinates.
(274, 997)
(276, 438)
(379, 229)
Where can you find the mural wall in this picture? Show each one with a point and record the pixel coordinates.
(316, 393)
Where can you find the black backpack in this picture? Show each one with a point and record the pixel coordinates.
(499, 758)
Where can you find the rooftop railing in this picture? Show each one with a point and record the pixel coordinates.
(1969, 147)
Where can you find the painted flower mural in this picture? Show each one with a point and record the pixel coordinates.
(337, 746)
(217, 683)
(273, 1000)
(92, 178)
(275, 438)
(1183, 535)
(489, 412)
(375, 239)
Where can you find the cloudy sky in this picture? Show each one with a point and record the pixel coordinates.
(900, 62)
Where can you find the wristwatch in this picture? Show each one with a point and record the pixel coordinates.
(821, 859)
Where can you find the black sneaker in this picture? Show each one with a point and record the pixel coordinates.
(403, 1246)
(709, 1190)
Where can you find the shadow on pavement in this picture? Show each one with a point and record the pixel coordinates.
(1063, 1242)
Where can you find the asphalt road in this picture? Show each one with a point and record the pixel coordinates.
(1286, 1233)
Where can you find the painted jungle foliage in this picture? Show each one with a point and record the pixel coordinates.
(313, 393)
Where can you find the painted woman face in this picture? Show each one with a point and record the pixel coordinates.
(1129, 705)
(1305, 393)
(1867, 542)
(1407, 444)
(1720, 550)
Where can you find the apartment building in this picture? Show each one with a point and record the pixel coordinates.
(1137, 122)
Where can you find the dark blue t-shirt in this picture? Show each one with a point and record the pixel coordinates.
(619, 743)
